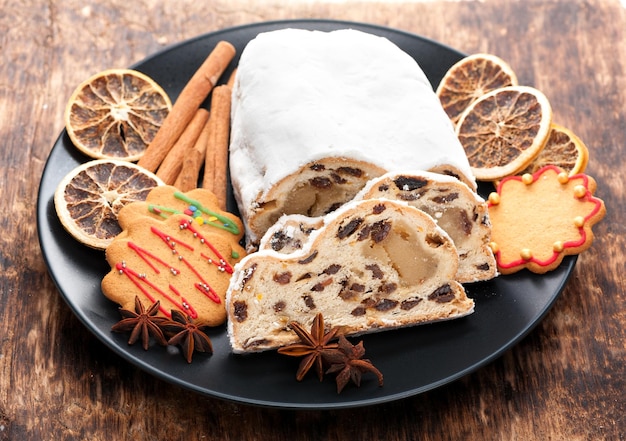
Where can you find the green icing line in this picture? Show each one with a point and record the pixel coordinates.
(224, 223)
(160, 209)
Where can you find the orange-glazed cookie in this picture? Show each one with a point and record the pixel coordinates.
(540, 218)
(181, 253)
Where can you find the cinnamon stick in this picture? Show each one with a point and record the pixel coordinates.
(189, 100)
(216, 158)
(173, 161)
(188, 177)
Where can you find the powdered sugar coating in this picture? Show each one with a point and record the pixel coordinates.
(301, 96)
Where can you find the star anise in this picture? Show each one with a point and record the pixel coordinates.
(141, 324)
(313, 346)
(348, 361)
(188, 335)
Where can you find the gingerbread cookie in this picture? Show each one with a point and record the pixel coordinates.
(540, 218)
(179, 257)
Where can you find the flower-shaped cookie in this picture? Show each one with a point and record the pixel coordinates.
(540, 218)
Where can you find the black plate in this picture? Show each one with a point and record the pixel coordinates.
(412, 360)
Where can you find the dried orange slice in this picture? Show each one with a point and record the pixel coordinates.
(471, 78)
(115, 114)
(88, 199)
(504, 130)
(563, 149)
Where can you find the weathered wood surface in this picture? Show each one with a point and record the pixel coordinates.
(566, 380)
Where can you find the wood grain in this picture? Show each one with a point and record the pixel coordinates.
(565, 380)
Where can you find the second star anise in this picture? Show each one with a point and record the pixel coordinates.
(188, 335)
(349, 364)
(313, 346)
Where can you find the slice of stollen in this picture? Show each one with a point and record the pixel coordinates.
(373, 265)
(453, 205)
(457, 209)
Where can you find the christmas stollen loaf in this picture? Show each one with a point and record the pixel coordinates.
(315, 115)
(373, 265)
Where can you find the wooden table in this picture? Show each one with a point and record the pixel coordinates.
(566, 380)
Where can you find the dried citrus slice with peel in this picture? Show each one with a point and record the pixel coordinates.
(471, 78)
(115, 114)
(88, 199)
(563, 149)
(504, 130)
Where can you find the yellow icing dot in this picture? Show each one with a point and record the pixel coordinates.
(580, 191)
(527, 178)
(494, 198)
(259, 296)
(563, 178)
(558, 246)
(526, 254)
(198, 220)
(579, 221)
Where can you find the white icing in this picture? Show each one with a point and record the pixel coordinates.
(300, 96)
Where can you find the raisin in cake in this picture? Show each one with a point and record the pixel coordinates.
(454, 206)
(374, 265)
(315, 115)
